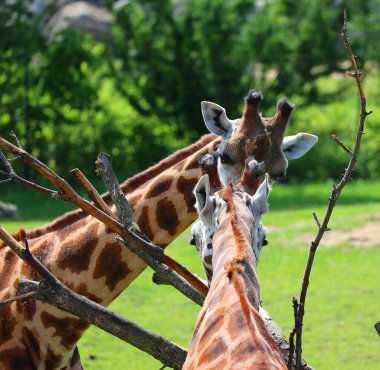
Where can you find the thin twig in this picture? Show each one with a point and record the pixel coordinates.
(14, 136)
(91, 191)
(340, 143)
(292, 334)
(12, 176)
(317, 221)
(21, 297)
(335, 193)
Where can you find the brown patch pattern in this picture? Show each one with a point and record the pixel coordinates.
(68, 230)
(31, 343)
(192, 165)
(143, 222)
(133, 200)
(111, 266)
(213, 325)
(7, 324)
(76, 253)
(66, 328)
(10, 261)
(166, 216)
(15, 359)
(185, 187)
(159, 186)
(29, 308)
(211, 353)
(52, 360)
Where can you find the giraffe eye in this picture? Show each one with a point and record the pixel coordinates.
(265, 242)
(225, 159)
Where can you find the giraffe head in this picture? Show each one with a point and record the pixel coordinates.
(212, 207)
(254, 136)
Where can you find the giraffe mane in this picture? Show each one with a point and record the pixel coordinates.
(127, 186)
(239, 238)
(235, 267)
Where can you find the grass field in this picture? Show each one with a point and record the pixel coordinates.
(344, 295)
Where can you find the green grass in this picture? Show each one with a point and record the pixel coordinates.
(343, 299)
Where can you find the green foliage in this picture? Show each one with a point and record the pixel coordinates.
(170, 56)
(340, 117)
(137, 93)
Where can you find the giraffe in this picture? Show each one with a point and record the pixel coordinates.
(84, 255)
(203, 233)
(230, 333)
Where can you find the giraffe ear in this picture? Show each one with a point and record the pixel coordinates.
(259, 200)
(202, 194)
(216, 119)
(296, 146)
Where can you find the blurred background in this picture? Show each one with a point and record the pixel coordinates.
(127, 77)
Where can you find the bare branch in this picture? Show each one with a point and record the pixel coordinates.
(167, 275)
(15, 138)
(104, 169)
(118, 228)
(317, 221)
(340, 143)
(63, 298)
(91, 191)
(155, 255)
(292, 334)
(21, 297)
(335, 193)
(279, 337)
(11, 176)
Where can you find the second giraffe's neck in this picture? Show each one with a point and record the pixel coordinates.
(229, 332)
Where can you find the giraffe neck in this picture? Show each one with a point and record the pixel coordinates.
(229, 332)
(85, 256)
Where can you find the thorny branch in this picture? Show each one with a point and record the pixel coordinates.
(335, 193)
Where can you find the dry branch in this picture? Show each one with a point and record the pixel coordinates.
(68, 193)
(335, 193)
(104, 169)
(10, 175)
(91, 192)
(155, 257)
